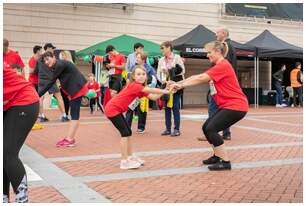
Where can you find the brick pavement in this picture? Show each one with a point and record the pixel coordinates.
(96, 136)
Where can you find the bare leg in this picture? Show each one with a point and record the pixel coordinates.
(130, 151)
(221, 152)
(124, 147)
(41, 105)
(73, 126)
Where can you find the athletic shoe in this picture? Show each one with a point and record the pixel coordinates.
(166, 132)
(227, 137)
(212, 160)
(284, 105)
(5, 199)
(65, 119)
(137, 159)
(65, 143)
(140, 131)
(220, 165)
(129, 164)
(278, 105)
(43, 119)
(175, 133)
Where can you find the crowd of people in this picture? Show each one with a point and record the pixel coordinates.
(295, 90)
(119, 98)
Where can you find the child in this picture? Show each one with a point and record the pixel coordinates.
(92, 84)
(128, 98)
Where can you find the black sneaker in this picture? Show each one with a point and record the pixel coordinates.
(175, 133)
(227, 137)
(43, 119)
(220, 165)
(166, 132)
(212, 160)
(65, 119)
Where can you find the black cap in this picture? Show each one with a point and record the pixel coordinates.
(49, 45)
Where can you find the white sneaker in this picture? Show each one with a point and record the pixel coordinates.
(292, 105)
(140, 131)
(278, 105)
(129, 164)
(284, 105)
(137, 159)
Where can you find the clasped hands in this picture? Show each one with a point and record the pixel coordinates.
(173, 87)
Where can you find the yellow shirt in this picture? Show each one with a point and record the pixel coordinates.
(293, 78)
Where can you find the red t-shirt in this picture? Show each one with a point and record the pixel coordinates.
(33, 77)
(16, 90)
(118, 60)
(12, 58)
(80, 93)
(120, 103)
(95, 86)
(228, 92)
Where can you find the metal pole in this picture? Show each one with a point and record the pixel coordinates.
(255, 79)
(257, 93)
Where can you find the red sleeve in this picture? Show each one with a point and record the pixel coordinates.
(217, 72)
(19, 60)
(32, 63)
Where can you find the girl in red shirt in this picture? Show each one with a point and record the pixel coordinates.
(128, 98)
(93, 84)
(231, 101)
(20, 111)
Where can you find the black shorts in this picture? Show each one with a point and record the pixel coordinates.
(75, 105)
(54, 89)
(115, 82)
(121, 124)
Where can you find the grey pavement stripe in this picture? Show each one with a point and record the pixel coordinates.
(176, 151)
(274, 122)
(68, 186)
(270, 131)
(187, 170)
(250, 113)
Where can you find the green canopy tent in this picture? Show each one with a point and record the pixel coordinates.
(123, 44)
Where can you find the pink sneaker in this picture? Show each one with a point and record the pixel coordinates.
(65, 143)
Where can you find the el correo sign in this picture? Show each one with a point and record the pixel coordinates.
(195, 50)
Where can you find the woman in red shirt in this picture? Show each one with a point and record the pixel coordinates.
(94, 85)
(20, 111)
(128, 98)
(231, 101)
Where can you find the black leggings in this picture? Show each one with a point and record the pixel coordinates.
(121, 124)
(223, 119)
(93, 101)
(66, 102)
(17, 123)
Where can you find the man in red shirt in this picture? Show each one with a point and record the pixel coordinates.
(11, 57)
(115, 67)
(33, 77)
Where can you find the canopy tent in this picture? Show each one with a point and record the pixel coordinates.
(191, 44)
(268, 45)
(124, 44)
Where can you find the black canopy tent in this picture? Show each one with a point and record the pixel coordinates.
(268, 45)
(191, 44)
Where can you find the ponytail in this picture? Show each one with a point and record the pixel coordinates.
(218, 45)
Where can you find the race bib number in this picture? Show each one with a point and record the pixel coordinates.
(212, 88)
(111, 71)
(134, 104)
